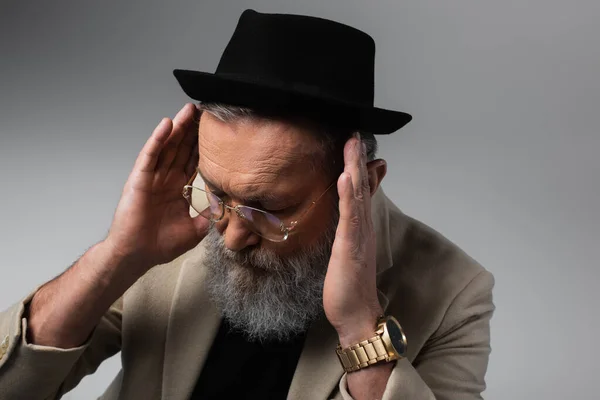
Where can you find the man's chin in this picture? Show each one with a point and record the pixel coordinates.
(264, 304)
(263, 314)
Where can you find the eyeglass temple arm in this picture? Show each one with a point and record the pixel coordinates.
(194, 175)
(295, 222)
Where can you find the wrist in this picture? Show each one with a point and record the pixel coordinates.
(359, 329)
(113, 259)
(352, 337)
(107, 270)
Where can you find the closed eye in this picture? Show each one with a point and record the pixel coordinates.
(280, 211)
(272, 211)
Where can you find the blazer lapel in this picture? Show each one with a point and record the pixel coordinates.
(318, 370)
(192, 326)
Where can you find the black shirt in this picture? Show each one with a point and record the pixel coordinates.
(239, 369)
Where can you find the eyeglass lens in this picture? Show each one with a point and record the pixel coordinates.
(212, 207)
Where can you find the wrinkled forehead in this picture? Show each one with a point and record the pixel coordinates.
(254, 151)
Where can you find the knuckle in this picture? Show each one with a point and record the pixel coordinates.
(354, 221)
(178, 124)
(365, 185)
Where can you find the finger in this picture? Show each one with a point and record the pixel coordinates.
(352, 160)
(197, 113)
(364, 179)
(184, 121)
(355, 157)
(148, 157)
(181, 124)
(348, 228)
(186, 147)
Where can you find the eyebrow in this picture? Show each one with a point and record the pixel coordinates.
(261, 198)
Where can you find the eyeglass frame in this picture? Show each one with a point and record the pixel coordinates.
(286, 230)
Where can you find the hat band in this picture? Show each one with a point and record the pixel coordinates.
(308, 89)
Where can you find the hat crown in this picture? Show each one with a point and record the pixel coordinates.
(310, 54)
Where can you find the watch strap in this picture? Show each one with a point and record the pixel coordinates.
(362, 354)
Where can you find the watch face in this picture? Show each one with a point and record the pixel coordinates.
(396, 336)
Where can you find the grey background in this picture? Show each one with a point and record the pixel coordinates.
(501, 156)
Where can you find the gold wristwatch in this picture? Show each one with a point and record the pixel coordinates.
(388, 344)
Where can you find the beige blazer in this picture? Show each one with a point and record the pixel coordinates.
(164, 326)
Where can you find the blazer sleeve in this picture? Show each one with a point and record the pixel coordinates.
(453, 362)
(29, 371)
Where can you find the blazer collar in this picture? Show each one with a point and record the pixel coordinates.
(380, 209)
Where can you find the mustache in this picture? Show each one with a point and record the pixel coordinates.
(255, 257)
(267, 260)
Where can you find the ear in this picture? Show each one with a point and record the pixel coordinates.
(376, 171)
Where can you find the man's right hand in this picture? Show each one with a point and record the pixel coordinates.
(152, 224)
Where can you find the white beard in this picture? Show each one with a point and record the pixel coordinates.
(266, 296)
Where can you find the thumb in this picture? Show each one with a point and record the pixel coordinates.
(201, 225)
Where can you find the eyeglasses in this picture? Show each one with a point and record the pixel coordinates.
(261, 222)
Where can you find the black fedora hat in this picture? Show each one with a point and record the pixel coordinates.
(283, 62)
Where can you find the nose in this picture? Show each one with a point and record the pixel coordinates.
(236, 234)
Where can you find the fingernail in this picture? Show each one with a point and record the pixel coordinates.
(357, 135)
(364, 148)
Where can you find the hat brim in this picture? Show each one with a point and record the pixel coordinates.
(207, 87)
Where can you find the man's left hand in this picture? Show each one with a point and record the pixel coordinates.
(350, 292)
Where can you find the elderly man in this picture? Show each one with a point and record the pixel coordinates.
(283, 271)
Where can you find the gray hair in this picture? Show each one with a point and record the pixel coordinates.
(331, 139)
